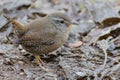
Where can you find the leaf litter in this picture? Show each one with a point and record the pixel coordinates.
(92, 51)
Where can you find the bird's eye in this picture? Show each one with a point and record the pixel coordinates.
(59, 20)
(62, 21)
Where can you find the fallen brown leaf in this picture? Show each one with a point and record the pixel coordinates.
(77, 44)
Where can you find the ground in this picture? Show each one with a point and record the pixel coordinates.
(92, 51)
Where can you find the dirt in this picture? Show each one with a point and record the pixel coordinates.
(92, 51)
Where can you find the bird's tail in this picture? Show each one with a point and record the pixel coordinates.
(19, 27)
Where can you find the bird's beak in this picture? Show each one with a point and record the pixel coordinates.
(73, 22)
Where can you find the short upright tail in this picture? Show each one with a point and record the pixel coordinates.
(20, 28)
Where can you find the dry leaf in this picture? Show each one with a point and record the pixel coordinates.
(77, 44)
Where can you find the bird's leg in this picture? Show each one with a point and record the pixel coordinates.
(38, 60)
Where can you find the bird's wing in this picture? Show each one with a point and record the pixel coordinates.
(34, 39)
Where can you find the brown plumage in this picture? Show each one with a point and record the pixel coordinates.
(43, 35)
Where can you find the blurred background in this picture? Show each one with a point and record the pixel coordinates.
(92, 51)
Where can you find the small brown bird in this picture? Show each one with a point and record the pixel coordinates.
(43, 35)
